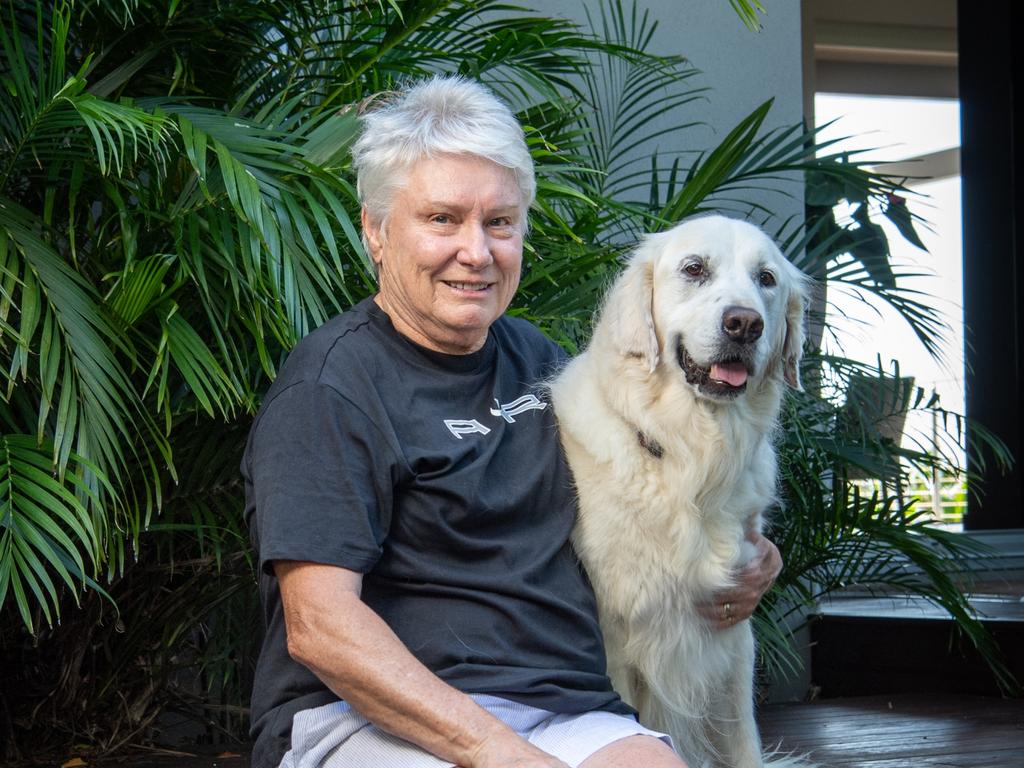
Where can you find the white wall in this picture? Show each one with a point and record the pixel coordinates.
(741, 68)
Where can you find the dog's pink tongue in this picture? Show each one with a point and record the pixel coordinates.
(734, 374)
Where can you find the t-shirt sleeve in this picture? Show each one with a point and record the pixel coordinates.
(322, 478)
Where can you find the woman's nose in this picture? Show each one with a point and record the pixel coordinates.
(475, 247)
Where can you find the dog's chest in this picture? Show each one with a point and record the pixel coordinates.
(671, 522)
(711, 484)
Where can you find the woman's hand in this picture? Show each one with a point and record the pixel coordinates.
(736, 604)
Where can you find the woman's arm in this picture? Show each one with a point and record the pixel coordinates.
(354, 652)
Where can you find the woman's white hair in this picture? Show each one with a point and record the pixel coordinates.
(443, 115)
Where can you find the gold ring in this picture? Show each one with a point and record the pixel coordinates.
(727, 608)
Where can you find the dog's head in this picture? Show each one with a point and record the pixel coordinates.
(715, 297)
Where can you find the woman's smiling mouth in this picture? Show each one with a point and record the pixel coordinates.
(472, 287)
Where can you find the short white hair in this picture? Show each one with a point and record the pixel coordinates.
(443, 115)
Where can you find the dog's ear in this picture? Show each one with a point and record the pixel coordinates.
(793, 346)
(628, 311)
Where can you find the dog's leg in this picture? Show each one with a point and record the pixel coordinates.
(686, 731)
(732, 728)
(620, 671)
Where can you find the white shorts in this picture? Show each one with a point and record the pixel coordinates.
(335, 736)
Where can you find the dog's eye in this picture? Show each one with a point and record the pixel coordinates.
(766, 278)
(693, 268)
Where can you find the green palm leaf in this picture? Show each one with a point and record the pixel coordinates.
(48, 117)
(628, 94)
(207, 381)
(747, 10)
(106, 410)
(284, 211)
(49, 527)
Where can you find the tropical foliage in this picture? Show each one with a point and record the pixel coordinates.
(177, 210)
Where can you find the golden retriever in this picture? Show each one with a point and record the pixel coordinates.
(667, 419)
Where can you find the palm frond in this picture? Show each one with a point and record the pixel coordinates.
(747, 10)
(626, 95)
(106, 404)
(283, 212)
(50, 118)
(52, 529)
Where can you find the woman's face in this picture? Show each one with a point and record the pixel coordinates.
(450, 254)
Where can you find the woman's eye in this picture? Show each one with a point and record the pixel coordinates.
(766, 278)
(694, 268)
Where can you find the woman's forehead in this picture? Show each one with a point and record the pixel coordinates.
(461, 180)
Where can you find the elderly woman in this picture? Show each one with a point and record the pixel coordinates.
(407, 496)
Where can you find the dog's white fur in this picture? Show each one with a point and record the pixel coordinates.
(671, 473)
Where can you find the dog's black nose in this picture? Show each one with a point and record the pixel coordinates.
(742, 325)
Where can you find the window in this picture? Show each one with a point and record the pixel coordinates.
(920, 138)
(912, 78)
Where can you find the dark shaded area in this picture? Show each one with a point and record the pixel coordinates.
(992, 154)
(900, 644)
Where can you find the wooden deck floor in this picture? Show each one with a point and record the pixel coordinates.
(906, 731)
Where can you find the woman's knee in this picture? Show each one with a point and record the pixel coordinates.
(633, 751)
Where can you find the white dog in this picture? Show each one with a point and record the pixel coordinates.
(667, 420)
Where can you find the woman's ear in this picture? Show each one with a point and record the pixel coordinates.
(373, 237)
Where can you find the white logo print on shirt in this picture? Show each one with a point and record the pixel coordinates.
(460, 427)
(524, 403)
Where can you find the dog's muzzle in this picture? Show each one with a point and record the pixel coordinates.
(727, 374)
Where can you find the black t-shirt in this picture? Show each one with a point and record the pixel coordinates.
(440, 478)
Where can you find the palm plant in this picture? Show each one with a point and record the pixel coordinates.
(176, 211)
(832, 538)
